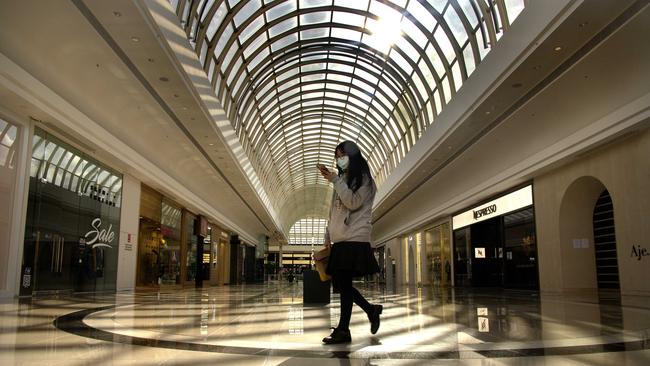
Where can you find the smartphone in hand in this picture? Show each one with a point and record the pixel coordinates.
(322, 168)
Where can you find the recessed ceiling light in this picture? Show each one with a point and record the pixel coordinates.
(135, 39)
(557, 49)
(150, 59)
(211, 144)
(117, 14)
(163, 78)
(487, 112)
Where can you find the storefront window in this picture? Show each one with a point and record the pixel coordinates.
(73, 218)
(170, 249)
(520, 250)
(463, 257)
(149, 261)
(191, 248)
(438, 249)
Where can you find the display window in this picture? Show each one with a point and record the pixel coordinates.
(73, 220)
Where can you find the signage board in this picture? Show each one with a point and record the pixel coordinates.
(500, 206)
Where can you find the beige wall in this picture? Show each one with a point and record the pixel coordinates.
(129, 223)
(564, 200)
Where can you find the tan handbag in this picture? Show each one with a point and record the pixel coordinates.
(321, 258)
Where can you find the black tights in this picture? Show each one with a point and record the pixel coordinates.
(349, 294)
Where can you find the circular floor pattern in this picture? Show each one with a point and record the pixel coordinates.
(74, 323)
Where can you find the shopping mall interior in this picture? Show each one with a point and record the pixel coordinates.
(160, 201)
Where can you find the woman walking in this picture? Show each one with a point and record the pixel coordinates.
(348, 235)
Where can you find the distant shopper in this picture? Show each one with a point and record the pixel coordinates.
(348, 235)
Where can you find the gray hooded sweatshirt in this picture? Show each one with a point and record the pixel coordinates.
(351, 212)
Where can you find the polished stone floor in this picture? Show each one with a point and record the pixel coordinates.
(268, 324)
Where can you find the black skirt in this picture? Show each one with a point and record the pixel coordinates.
(352, 257)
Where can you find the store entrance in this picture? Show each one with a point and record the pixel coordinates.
(499, 252)
(487, 251)
(72, 222)
(52, 258)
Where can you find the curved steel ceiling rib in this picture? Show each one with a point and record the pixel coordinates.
(297, 76)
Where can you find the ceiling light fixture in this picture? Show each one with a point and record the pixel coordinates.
(117, 14)
(135, 39)
(558, 49)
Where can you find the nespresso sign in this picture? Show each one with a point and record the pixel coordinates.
(485, 211)
(502, 205)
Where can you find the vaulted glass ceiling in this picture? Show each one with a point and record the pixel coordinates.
(296, 77)
(308, 231)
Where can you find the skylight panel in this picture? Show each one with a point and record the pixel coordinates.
(456, 25)
(422, 15)
(314, 33)
(351, 19)
(285, 41)
(315, 17)
(250, 30)
(444, 43)
(304, 4)
(348, 34)
(280, 10)
(283, 26)
(255, 45)
(216, 20)
(246, 11)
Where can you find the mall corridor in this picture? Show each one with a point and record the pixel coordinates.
(479, 170)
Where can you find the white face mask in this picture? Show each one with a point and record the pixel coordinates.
(343, 162)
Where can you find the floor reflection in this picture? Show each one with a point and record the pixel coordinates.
(269, 322)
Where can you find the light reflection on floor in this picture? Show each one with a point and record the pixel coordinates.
(269, 325)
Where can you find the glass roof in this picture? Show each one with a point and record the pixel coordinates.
(296, 77)
(308, 231)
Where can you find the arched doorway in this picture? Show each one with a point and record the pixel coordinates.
(605, 243)
(586, 223)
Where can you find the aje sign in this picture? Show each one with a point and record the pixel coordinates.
(502, 205)
(99, 237)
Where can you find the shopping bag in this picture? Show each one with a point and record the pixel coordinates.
(321, 258)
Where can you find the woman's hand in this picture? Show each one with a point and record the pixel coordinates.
(326, 173)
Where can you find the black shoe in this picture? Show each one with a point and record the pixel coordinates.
(338, 336)
(374, 318)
